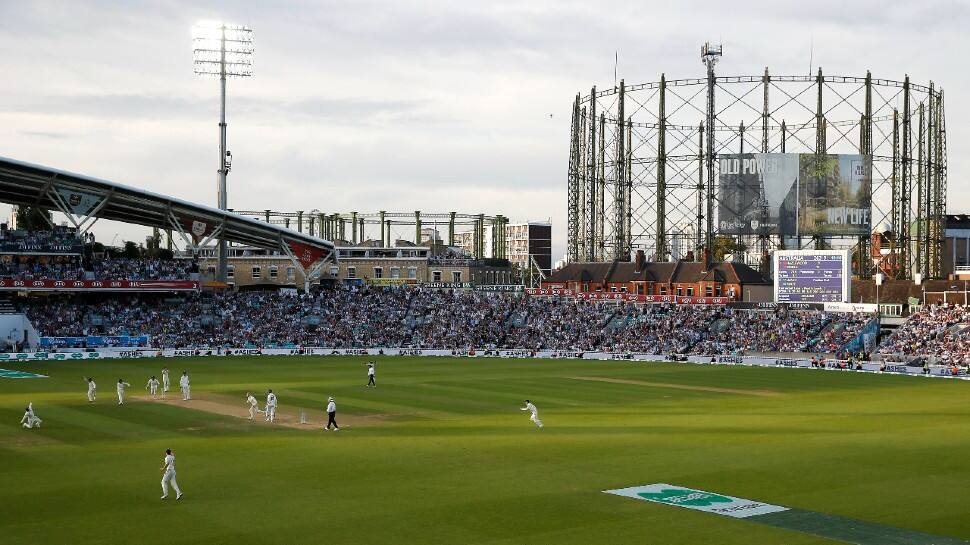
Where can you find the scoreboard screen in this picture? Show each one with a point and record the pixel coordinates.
(812, 276)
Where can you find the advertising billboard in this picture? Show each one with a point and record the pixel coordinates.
(794, 194)
(812, 276)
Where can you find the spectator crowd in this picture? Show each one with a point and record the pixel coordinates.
(73, 267)
(142, 269)
(439, 319)
(938, 333)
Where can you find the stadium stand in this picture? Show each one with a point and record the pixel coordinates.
(60, 254)
(936, 334)
(423, 318)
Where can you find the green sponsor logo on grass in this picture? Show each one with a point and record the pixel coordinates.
(684, 496)
(699, 500)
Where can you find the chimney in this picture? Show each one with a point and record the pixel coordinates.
(641, 260)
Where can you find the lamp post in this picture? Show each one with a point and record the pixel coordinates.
(222, 50)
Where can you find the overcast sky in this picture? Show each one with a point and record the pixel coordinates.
(399, 105)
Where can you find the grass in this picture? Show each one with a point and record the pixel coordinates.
(451, 459)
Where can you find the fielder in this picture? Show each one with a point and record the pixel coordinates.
(168, 475)
(184, 385)
(371, 379)
(165, 381)
(332, 415)
(535, 413)
(152, 386)
(121, 391)
(253, 406)
(92, 390)
(30, 419)
(271, 407)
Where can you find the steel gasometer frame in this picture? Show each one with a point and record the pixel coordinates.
(642, 159)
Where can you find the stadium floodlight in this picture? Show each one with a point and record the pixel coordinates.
(222, 50)
(710, 54)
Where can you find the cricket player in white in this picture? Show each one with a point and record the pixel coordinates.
(30, 419)
(152, 386)
(165, 381)
(271, 407)
(253, 405)
(371, 378)
(535, 413)
(121, 391)
(184, 385)
(168, 475)
(92, 390)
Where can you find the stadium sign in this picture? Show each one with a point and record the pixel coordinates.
(789, 194)
(448, 285)
(30, 248)
(499, 287)
(390, 281)
(698, 500)
(7, 284)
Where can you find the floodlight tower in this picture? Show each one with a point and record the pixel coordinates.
(222, 50)
(710, 54)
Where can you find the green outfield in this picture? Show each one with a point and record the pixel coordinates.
(440, 453)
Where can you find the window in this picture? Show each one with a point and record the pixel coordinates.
(708, 291)
(623, 289)
(351, 272)
(256, 273)
(274, 272)
(412, 272)
(334, 270)
(230, 272)
(436, 276)
(690, 291)
(211, 270)
(680, 291)
(663, 290)
(291, 273)
(456, 277)
(378, 272)
(395, 272)
(717, 290)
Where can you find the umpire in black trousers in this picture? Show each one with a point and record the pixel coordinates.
(332, 415)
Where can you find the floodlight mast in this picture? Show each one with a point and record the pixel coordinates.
(222, 50)
(710, 54)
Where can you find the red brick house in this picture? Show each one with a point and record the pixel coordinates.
(683, 278)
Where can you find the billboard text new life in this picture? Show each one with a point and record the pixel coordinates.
(790, 193)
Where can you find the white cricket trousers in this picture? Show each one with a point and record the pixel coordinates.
(186, 393)
(121, 398)
(91, 395)
(535, 419)
(252, 412)
(169, 477)
(154, 391)
(271, 413)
